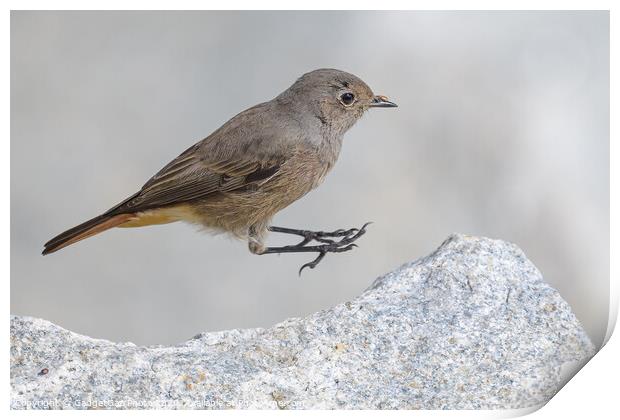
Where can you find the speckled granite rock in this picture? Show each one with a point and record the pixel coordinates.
(471, 326)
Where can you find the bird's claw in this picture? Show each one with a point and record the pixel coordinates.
(330, 246)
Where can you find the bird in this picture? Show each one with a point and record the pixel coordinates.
(257, 163)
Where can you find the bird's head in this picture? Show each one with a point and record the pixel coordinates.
(335, 98)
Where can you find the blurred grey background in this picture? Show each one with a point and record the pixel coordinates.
(502, 131)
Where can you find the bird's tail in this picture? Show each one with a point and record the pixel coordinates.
(85, 230)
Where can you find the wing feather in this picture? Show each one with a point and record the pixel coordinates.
(219, 163)
(191, 177)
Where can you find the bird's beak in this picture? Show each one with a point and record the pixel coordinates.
(380, 101)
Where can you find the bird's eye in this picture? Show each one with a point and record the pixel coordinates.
(347, 98)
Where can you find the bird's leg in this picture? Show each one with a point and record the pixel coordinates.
(328, 242)
(318, 236)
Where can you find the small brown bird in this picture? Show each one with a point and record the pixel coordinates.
(260, 161)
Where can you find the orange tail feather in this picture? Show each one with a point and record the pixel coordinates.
(86, 230)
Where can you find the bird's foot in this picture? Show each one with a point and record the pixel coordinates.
(340, 240)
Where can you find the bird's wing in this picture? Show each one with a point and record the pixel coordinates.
(247, 150)
(191, 176)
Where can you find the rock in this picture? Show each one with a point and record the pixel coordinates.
(471, 326)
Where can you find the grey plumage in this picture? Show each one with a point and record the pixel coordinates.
(253, 166)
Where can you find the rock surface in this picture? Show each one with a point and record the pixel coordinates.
(471, 326)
